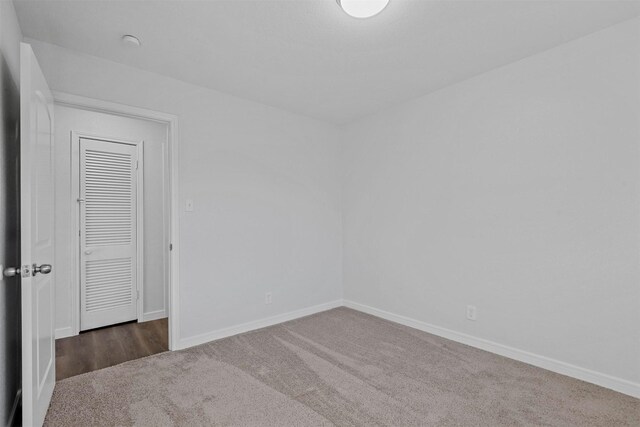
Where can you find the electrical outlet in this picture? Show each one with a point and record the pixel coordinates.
(267, 298)
(472, 312)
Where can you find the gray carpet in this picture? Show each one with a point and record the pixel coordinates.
(340, 367)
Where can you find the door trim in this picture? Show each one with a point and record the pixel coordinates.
(75, 221)
(171, 121)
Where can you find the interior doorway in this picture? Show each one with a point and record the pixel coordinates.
(113, 238)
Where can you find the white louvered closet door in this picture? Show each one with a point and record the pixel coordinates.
(108, 270)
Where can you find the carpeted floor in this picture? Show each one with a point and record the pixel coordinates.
(340, 367)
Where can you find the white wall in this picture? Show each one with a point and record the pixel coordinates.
(516, 191)
(155, 243)
(10, 332)
(266, 189)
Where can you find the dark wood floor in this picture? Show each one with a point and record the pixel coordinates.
(104, 347)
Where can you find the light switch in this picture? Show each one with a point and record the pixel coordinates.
(188, 205)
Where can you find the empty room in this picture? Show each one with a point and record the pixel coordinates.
(320, 212)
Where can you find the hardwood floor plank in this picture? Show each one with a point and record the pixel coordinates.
(104, 347)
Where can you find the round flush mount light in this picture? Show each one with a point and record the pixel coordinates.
(362, 8)
(130, 40)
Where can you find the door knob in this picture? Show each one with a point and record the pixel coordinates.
(42, 269)
(11, 271)
(88, 252)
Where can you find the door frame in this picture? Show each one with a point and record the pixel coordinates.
(91, 104)
(75, 220)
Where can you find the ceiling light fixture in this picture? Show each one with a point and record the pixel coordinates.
(130, 40)
(362, 8)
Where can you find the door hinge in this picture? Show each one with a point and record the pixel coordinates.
(137, 164)
(170, 246)
(137, 294)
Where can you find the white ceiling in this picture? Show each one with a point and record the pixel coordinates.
(308, 56)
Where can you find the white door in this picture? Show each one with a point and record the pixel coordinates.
(108, 233)
(36, 215)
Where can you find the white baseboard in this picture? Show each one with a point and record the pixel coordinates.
(14, 407)
(64, 332)
(256, 324)
(598, 378)
(154, 315)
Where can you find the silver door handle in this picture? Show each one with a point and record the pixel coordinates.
(11, 271)
(42, 269)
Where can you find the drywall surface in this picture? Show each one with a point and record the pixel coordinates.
(10, 330)
(517, 192)
(156, 215)
(265, 185)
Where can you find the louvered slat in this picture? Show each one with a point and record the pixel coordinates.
(108, 284)
(108, 187)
